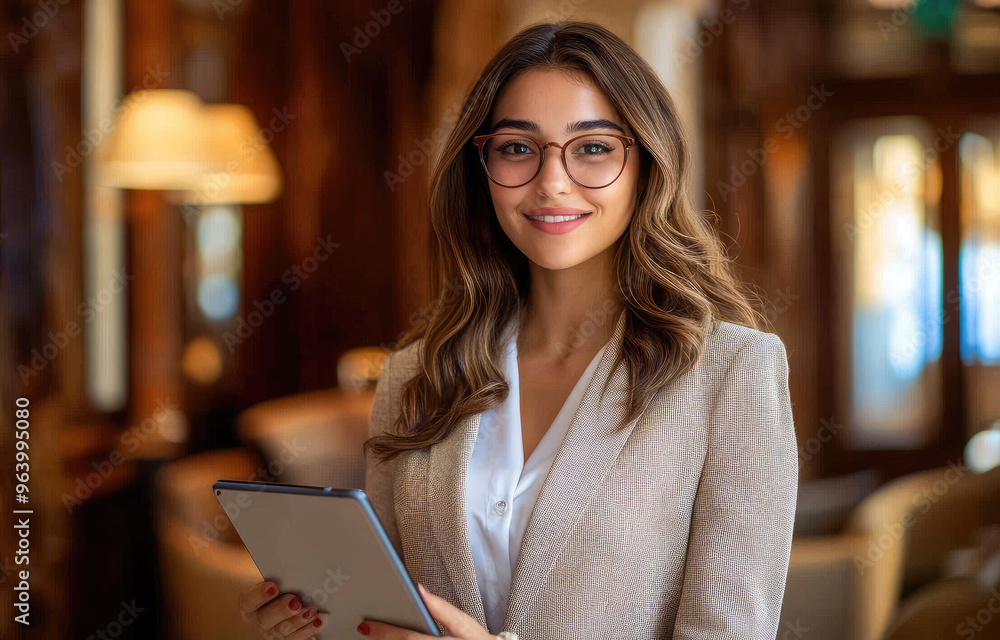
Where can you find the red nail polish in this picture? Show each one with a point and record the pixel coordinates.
(364, 629)
(294, 604)
(308, 614)
(318, 622)
(272, 591)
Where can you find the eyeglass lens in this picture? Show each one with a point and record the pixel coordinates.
(592, 161)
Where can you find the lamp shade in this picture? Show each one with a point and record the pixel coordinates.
(242, 167)
(166, 139)
(158, 142)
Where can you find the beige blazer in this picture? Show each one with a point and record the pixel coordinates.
(678, 526)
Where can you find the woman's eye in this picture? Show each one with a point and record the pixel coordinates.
(593, 148)
(514, 148)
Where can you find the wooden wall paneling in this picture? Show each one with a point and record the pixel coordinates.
(57, 70)
(414, 145)
(346, 112)
(794, 100)
(760, 175)
(348, 300)
(40, 285)
(153, 256)
(316, 165)
(266, 360)
(951, 436)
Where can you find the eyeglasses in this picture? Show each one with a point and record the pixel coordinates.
(593, 161)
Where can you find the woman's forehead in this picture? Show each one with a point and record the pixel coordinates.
(554, 100)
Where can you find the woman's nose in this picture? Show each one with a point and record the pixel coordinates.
(552, 178)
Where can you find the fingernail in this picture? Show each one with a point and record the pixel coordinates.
(308, 614)
(421, 588)
(364, 629)
(318, 622)
(272, 591)
(294, 604)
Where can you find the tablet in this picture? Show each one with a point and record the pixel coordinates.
(328, 547)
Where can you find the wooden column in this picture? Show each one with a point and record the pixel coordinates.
(155, 412)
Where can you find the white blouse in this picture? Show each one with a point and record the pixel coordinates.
(501, 488)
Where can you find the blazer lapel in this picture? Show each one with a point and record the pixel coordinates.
(449, 462)
(587, 452)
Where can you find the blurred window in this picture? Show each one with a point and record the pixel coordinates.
(891, 309)
(888, 243)
(979, 271)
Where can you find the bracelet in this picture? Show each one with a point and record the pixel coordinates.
(507, 635)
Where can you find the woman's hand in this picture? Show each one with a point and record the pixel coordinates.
(279, 617)
(461, 625)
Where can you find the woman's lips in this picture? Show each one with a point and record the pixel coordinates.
(556, 212)
(556, 221)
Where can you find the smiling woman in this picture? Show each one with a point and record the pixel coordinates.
(591, 439)
(591, 178)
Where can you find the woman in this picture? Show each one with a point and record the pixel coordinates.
(592, 440)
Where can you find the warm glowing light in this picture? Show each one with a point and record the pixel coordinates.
(158, 142)
(166, 139)
(244, 170)
(202, 361)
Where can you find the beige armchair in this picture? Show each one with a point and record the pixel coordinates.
(312, 438)
(825, 590)
(949, 608)
(316, 437)
(912, 524)
(203, 565)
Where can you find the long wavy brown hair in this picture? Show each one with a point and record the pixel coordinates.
(672, 272)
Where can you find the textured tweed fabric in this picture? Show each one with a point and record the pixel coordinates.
(678, 526)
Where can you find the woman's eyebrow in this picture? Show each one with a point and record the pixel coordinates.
(579, 125)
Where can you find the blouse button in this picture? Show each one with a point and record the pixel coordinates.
(500, 506)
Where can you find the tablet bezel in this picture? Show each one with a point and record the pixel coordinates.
(358, 496)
